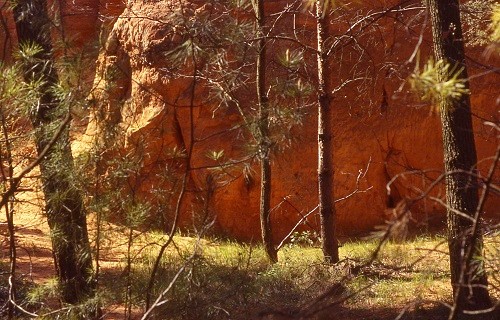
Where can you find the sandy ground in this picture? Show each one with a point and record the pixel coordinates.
(34, 253)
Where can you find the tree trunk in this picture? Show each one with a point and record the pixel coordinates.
(325, 143)
(467, 277)
(263, 136)
(64, 203)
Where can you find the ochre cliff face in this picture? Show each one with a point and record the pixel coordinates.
(378, 127)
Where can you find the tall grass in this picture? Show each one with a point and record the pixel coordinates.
(229, 280)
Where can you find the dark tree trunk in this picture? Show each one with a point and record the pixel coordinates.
(467, 277)
(325, 143)
(64, 204)
(263, 137)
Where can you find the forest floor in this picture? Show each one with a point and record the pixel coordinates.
(222, 279)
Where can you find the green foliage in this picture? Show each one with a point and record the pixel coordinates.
(50, 289)
(136, 213)
(46, 290)
(292, 59)
(28, 52)
(242, 4)
(202, 38)
(429, 85)
(475, 16)
(15, 94)
(24, 286)
(326, 5)
(184, 53)
(304, 238)
(223, 53)
(216, 155)
(115, 201)
(495, 24)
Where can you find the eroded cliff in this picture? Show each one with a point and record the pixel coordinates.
(156, 112)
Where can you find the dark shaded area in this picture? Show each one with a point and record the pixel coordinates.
(23, 286)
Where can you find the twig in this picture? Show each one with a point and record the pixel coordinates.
(158, 302)
(17, 180)
(295, 228)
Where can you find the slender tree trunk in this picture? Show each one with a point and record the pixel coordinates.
(467, 277)
(325, 143)
(64, 203)
(263, 136)
(9, 213)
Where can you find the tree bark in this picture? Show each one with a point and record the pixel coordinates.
(325, 143)
(64, 202)
(263, 136)
(467, 277)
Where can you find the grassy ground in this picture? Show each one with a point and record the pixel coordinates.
(228, 280)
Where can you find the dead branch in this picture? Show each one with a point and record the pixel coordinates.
(16, 181)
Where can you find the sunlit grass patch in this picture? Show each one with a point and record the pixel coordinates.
(402, 272)
(230, 280)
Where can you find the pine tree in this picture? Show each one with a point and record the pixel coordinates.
(64, 202)
(325, 139)
(263, 135)
(467, 271)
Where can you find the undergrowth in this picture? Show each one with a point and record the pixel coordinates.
(229, 280)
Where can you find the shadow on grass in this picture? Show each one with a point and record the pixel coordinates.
(208, 291)
(231, 281)
(23, 287)
(438, 312)
(423, 312)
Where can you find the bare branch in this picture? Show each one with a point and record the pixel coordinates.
(16, 181)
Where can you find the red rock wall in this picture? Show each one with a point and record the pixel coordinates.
(138, 93)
